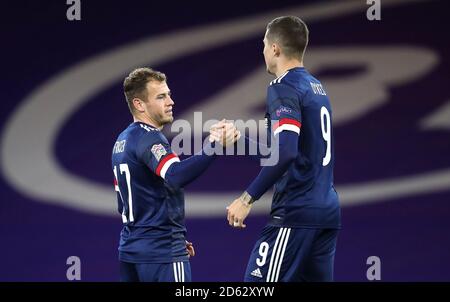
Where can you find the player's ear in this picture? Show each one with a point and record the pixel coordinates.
(276, 49)
(137, 103)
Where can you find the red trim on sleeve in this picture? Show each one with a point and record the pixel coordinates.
(163, 161)
(289, 121)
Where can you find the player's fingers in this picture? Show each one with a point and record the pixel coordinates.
(222, 123)
(240, 223)
(212, 138)
(237, 135)
(226, 127)
(217, 126)
(231, 219)
(230, 127)
(214, 133)
(230, 134)
(216, 129)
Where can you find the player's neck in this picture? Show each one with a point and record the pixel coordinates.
(286, 65)
(146, 121)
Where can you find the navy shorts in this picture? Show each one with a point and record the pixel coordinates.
(155, 272)
(285, 254)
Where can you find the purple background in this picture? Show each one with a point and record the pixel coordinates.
(409, 234)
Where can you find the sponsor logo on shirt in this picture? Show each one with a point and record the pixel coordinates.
(256, 273)
(283, 109)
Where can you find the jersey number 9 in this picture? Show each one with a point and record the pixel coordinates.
(325, 123)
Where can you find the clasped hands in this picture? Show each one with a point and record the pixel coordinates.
(224, 133)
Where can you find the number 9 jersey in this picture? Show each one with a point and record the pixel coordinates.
(304, 196)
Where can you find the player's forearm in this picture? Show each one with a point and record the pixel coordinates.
(288, 149)
(184, 172)
(255, 148)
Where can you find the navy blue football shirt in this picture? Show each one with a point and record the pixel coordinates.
(152, 210)
(305, 195)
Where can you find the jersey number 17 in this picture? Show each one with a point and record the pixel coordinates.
(125, 170)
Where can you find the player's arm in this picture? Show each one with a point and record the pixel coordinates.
(240, 208)
(284, 107)
(181, 173)
(288, 149)
(285, 112)
(154, 150)
(253, 145)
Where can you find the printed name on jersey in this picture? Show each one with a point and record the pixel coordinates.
(148, 128)
(158, 151)
(119, 147)
(317, 88)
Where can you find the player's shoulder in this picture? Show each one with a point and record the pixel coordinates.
(291, 77)
(291, 82)
(143, 128)
(297, 81)
(146, 134)
(279, 80)
(140, 129)
(283, 87)
(138, 132)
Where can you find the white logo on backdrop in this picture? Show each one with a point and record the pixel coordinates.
(27, 155)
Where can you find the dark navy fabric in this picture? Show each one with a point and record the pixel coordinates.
(292, 255)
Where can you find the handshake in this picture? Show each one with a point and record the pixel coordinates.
(224, 132)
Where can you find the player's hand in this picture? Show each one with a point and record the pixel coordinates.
(215, 132)
(190, 249)
(224, 132)
(238, 210)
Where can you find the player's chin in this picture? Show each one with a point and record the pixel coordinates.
(168, 119)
